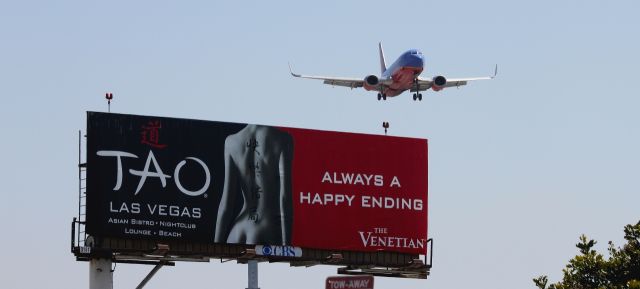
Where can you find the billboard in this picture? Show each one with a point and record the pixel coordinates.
(157, 178)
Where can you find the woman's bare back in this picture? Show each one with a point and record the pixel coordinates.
(259, 168)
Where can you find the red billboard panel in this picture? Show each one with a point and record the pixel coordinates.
(202, 181)
(359, 191)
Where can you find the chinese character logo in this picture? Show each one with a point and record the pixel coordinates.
(151, 134)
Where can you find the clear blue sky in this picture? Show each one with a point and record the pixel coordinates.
(519, 166)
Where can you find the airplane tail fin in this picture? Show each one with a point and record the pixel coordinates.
(383, 63)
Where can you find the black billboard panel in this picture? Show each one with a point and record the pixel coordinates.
(148, 177)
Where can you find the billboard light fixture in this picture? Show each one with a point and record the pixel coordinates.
(109, 97)
(248, 254)
(160, 251)
(334, 258)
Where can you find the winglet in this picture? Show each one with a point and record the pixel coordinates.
(495, 72)
(291, 71)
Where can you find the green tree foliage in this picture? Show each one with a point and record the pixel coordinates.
(591, 270)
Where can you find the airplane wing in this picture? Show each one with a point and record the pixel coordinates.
(338, 81)
(425, 84)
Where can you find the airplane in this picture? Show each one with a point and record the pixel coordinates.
(402, 75)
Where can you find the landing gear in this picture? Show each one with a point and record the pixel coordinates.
(379, 96)
(382, 96)
(417, 95)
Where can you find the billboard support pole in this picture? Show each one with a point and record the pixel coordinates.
(150, 275)
(252, 268)
(100, 275)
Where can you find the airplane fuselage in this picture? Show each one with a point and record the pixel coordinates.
(403, 72)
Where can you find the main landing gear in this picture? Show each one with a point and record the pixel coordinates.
(417, 95)
(382, 96)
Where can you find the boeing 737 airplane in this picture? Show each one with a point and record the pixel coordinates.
(403, 74)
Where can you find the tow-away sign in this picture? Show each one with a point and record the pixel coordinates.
(350, 282)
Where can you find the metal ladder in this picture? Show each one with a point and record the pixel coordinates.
(82, 196)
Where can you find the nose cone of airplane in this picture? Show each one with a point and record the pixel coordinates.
(419, 60)
(414, 58)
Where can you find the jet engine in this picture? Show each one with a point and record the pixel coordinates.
(438, 83)
(371, 82)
